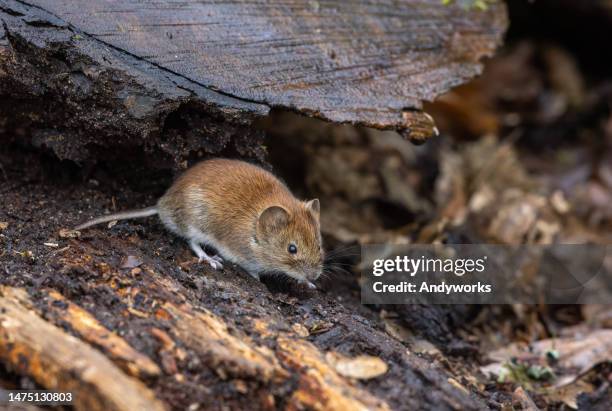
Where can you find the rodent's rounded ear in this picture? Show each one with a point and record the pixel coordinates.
(272, 218)
(314, 206)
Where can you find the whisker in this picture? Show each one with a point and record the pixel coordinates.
(337, 269)
(325, 275)
(340, 263)
(344, 266)
(328, 274)
(334, 253)
(344, 251)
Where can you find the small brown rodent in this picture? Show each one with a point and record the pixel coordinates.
(245, 213)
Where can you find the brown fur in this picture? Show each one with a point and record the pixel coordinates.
(224, 200)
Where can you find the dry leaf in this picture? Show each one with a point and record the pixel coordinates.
(321, 327)
(493, 370)
(559, 202)
(3, 225)
(575, 355)
(363, 367)
(520, 395)
(397, 331)
(422, 346)
(300, 330)
(598, 315)
(403, 334)
(130, 261)
(580, 353)
(569, 393)
(68, 233)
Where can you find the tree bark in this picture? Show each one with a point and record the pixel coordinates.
(88, 78)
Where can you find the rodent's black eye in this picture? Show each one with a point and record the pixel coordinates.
(292, 249)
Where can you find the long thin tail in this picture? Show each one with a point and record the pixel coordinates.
(145, 212)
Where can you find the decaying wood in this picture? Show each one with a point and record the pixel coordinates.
(208, 335)
(226, 354)
(405, 52)
(58, 361)
(320, 387)
(91, 331)
(223, 344)
(183, 77)
(81, 99)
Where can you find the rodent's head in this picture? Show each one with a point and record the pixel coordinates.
(289, 240)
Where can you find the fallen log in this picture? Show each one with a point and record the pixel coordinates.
(85, 78)
(219, 338)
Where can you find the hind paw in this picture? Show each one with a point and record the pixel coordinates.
(215, 262)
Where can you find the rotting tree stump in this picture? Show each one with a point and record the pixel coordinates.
(89, 77)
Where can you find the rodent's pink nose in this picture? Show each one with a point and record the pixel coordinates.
(314, 274)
